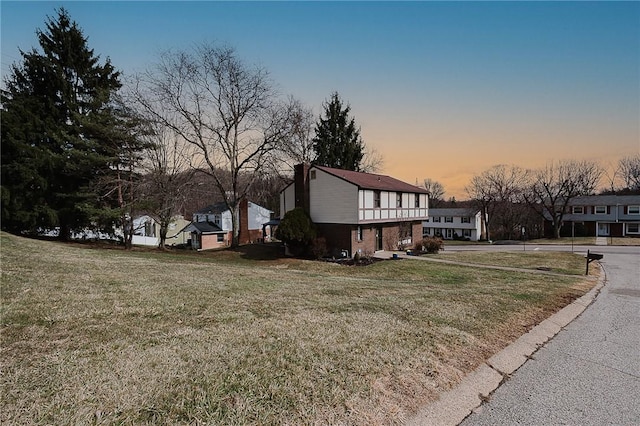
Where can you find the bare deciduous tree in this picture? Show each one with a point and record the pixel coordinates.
(168, 177)
(227, 110)
(496, 193)
(435, 190)
(552, 188)
(629, 172)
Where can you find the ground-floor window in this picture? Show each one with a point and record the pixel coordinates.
(466, 233)
(220, 238)
(633, 228)
(426, 231)
(448, 233)
(359, 233)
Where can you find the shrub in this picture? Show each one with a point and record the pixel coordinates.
(319, 247)
(297, 230)
(429, 245)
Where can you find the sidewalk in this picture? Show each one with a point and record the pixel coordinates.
(602, 241)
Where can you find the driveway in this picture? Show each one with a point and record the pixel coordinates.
(589, 374)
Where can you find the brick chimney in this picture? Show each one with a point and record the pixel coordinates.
(301, 182)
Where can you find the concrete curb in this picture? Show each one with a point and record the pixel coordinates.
(458, 403)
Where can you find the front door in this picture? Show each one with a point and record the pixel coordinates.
(603, 229)
(378, 238)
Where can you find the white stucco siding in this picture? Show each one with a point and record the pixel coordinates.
(287, 200)
(367, 199)
(333, 200)
(384, 199)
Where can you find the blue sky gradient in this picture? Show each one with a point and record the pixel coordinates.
(441, 89)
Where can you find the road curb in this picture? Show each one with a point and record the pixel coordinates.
(458, 403)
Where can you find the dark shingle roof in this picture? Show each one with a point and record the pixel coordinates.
(216, 208)
(203, 228)
(605, 200)
(457, 212)
(372, 181)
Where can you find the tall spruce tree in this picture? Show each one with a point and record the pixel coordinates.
(337, 142)
(61, 132)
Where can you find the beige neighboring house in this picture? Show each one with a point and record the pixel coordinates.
(357, 212)
(146, 231)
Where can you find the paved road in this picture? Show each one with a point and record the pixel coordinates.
(589, 374)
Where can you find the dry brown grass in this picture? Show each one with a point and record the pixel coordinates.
(109, 337)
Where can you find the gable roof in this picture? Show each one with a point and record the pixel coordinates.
(216, 208)
(605, 200)
(203, 228)
(372, 181)
(456, 212)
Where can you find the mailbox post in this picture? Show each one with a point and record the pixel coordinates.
(590, 258)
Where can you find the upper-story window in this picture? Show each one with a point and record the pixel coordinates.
(417, 200)
(577, 210)
(448, 219)
(436, 218)
(600, 210)
(398, 199)
(465, 219)
(376, 199)
(633, 210)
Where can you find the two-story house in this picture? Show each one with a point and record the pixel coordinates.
(355, 211)
(453, 223)
(212, 227)
(601, 216)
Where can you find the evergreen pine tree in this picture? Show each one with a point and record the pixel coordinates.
(61, 132)
(337, 142)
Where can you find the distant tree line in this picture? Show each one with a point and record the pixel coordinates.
(81, 149)
(511, 199)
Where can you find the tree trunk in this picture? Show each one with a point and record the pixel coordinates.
(164, 228)
(235, 225)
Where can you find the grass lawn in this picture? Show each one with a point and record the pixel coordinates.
(559, 262)
(104, 336)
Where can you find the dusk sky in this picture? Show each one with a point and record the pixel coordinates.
(442, 90)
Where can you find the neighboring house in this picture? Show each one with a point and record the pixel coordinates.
(146, 231)
(453, 223)
(212, 227)
(601, 216)
(357, 212)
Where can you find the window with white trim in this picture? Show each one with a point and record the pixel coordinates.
(633, 228)
(436, 218)
(466, 233)
(465, 219)
(577, 210)
(398, 199)
(600, 210)
(633, 210)
(448, 219)
(417, 200)
(359, 233)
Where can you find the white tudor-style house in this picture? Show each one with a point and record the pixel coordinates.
(601, 216)
(355, 211)
(212, 228)
(454, 223)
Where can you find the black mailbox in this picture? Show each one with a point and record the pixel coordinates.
(591, 257)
